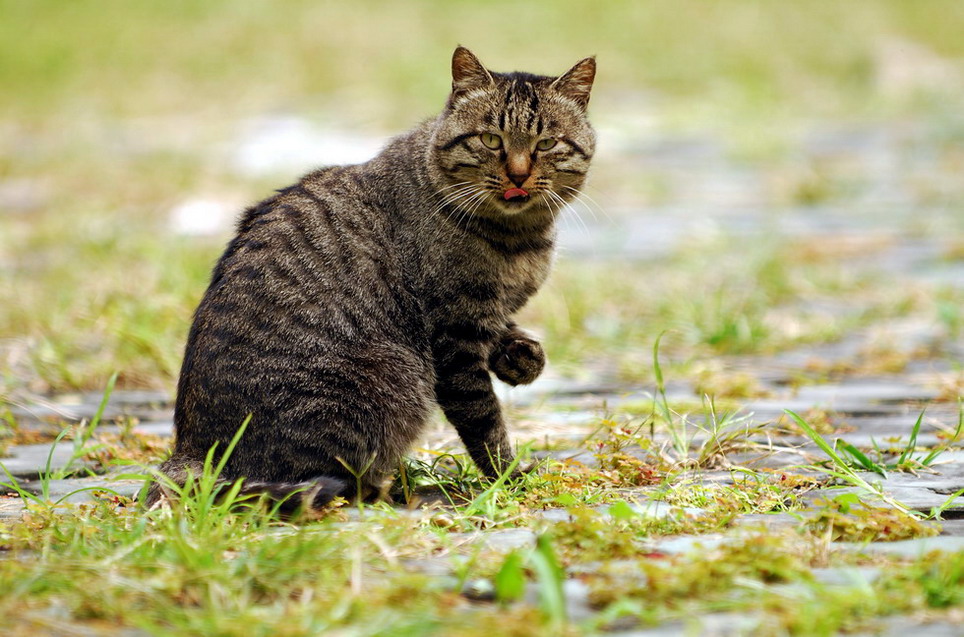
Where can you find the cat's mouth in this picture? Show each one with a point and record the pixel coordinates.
(516, 195)
(516, 199)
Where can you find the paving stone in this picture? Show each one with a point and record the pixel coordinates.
(690, 543)
(903, 626)
(551, 386)
(656, 509)
(29, 461)
(709, 625)
(846, 576)
(144, 405)
(577, 455)
(138, 399)
(165, 429)
(953, 528)
(508, 539)
(907, 548)
(948, 479)
(576, 593)
(646, 508)
(435, 567)
(864, 390)
(70, 490)
(11, 507)
(771, 521)
(916, 498)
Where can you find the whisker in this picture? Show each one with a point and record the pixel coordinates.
(586, 195)
(565, 204)
(460, 183)
(462, 189)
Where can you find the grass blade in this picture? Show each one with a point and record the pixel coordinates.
(861, 458)
(843, 471)
(550, 576)
(912, 443)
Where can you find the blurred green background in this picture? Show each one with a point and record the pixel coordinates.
(115, 113)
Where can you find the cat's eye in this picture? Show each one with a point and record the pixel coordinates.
(491, 141)
(545, 144)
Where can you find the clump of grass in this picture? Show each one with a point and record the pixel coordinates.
(676, 581)
(768, 577)
(844, 458)
(620, 532)
(846, 518)
(752, 492)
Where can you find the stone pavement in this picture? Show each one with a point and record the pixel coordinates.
(880, 409)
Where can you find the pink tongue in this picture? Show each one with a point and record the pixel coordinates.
(512, 193)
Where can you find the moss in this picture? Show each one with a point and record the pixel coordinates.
(849, 521)
(674, 580)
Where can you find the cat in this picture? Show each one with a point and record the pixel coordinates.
(351, 304)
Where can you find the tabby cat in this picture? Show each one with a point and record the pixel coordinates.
(350, 304)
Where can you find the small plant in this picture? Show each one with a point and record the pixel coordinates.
(842, 470)
(708, 575)
(751, 492)
(906, 459)
(846, 518)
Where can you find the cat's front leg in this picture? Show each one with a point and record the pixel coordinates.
(517, 358)
(463, 389)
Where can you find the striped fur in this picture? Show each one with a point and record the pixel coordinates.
(350, 304)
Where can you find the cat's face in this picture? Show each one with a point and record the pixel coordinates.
(513, 143)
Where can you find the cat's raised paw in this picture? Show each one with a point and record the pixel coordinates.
(518, 361)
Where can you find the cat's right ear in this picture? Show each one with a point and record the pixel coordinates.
(468, 73)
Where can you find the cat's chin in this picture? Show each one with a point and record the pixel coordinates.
(514, 207)
(519, 206)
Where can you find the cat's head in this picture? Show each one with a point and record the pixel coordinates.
(513, 143)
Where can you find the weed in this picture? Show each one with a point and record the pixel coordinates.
(750, 493)
(846, 518)
(621, 531)
(677, 580)
(841, 469)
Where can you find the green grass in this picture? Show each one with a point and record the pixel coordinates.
(119, 58)
(209, 563)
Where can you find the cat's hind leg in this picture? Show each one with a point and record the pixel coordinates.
(291, 497)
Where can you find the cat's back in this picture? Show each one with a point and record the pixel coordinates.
(321, 251)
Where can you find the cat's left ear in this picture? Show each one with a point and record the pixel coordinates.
(576, 83)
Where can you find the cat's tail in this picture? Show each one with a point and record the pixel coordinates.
(309, 496)
(294, 497)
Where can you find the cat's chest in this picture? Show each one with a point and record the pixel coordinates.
(522, 276)
(508, 279)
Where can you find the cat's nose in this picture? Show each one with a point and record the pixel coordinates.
(518, 178)
(518, 168)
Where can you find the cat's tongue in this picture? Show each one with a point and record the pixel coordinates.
(515, 193)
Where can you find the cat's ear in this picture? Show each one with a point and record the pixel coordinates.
(576, 83)
(468, 73)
